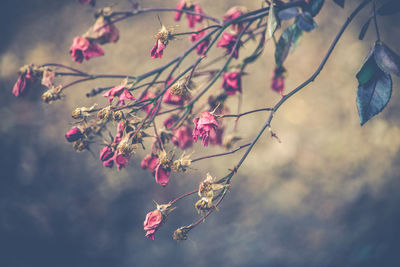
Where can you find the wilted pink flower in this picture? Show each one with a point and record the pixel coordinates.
(189, 6)
(170, 121)
(201, 47)
(157, 50)
(183, 137)
(82, 48)
(171, 99)
(234, 13)
(278, 80)
(106, 156)
(232, 82)
(102, 32)
(121, 160)
(162, 175)
(153, 221)
(150, 162)
(24, 80)
(121, 92)
(228, 41)
(73, 134)
(91, 2)
(203, 126)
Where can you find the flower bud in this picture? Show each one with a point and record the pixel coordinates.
(203, 205)
(73, 134)
(181, 233)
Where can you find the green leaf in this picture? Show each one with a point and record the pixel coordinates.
(387, 60)
(364, 29)
(368, 69)
(288, 13)
(287, 40)
(305, 22)
(373, 96)
(272, 22)
(389, 8)
(339, 2)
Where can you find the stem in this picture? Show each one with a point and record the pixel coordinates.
(378, 36)
(221, 154)
(243, 114)
(183, 196)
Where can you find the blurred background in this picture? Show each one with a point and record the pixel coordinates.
(326, 196)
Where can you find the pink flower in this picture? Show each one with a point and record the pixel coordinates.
(228, 41)
(201, 47)
(203, 126)
(278, 80)
(73, 134)
(24, 80)
(170, 121)
(82, 48)
(234, 13)
(232, 82)
(153, 221)
(162, 175)
(157, 50)
(91, 2)
(150, 162)
(183, 137)
(121, 160)
(171, 99)
(103, 32)
(121, 92)
(106, 156)
(189, 6)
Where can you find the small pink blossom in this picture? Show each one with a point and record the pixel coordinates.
(158, 49)
(106, 156)
(170, 121)
(278, 80)
(24, 80)
(203, 126)
(228, 41)
(232, 82)
(147, 108)
(201, 47)
(153, 221)
(82, 48)
(150, 162)
(73, 134)
(183, 137)
(120, 132)
(162, 175)
(121, 92)
(171, 99)
(189, 6)
(121, 160)
(234, 13)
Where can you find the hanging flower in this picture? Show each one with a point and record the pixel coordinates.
(278, 80)
(228, 41)
(73, 134)
(203, 126)
(103, 31)
(189, 6)
(162, 38)
(201, 47)
(234, 13)
(183, 137)
(155, 219)
(232, 82)
(82, 48)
